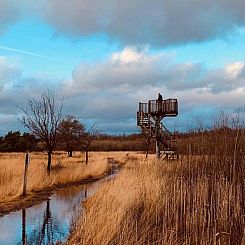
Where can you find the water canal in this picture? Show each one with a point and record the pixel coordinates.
(49, 222)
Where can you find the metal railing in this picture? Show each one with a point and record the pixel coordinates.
(167, 107)
(143, 107)
(165, 131)
(141, 116)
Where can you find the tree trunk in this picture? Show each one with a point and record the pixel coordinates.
(86, 155)
(147, 151)
(148, 147)
(70, 153)
(49, 161)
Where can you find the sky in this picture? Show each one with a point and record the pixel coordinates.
(103, 57)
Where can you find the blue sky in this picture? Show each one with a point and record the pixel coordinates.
(104, 57)
(51, 52)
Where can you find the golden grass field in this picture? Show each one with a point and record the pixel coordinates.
(64, 170)
(195, 200)
(198, 199)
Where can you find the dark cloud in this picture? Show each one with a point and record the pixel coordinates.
(9, 12)
(133, 22)
(157, 22)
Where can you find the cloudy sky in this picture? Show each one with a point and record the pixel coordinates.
(105, 56)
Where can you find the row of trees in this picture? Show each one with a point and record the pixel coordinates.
(70, 140)
(43, 118)
(15, 141)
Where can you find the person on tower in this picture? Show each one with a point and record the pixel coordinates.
(159, 103)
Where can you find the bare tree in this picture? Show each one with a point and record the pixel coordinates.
(70, 131)
(42, 117)
(89, 135)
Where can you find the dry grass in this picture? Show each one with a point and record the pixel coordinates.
(64, 170)
(196, 200)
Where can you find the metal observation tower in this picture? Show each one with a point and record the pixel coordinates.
(149, 119)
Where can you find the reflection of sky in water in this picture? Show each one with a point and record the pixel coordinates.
(45, 223)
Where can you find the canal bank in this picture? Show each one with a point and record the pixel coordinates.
(50, 221)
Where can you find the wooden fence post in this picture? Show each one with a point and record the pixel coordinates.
(110, 162)
(27, 159)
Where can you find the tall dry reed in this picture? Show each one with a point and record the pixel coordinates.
(198, 199)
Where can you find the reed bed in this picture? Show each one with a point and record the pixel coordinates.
(194, 200)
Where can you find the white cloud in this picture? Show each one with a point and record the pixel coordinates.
(108, 92)
(229, 78)
(234, 69)
(9, 71)
(130, 70)
(128, 55)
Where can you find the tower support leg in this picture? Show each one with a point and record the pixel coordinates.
(157, 149)
(157, 139)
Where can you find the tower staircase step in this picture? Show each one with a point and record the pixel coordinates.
(147, 123)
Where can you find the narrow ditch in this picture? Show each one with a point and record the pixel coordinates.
(50, 221)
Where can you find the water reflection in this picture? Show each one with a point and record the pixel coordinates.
(47, 223)
(23, 226)
(49, 230)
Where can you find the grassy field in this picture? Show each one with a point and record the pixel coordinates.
(198, 199)
(64, 170)
(195, 200)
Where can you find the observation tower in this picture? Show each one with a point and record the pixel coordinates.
(149, 119)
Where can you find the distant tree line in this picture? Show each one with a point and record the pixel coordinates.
(131, 142)
(17, 142)
(74, 136)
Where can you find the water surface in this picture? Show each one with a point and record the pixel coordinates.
(48, 222)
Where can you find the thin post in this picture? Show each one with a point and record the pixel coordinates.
(157, 138)
(25, 173)
(86, 193)
(110, 162)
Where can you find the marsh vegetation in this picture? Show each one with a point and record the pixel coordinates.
(198, 199)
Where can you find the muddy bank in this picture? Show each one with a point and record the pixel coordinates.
(36, 197)
(51, 221)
